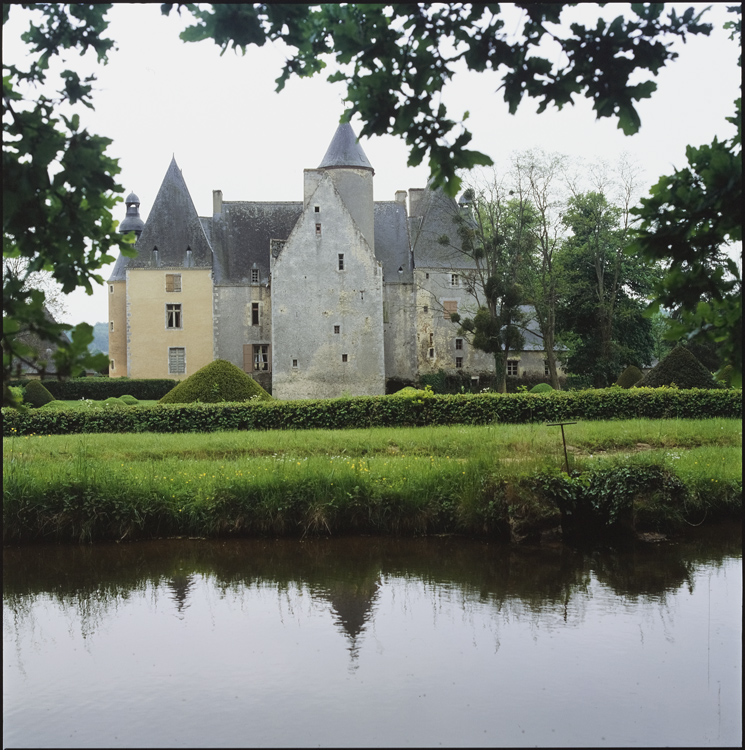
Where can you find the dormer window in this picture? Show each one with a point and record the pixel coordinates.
(155, 257)
(189, 258)
(254, 275)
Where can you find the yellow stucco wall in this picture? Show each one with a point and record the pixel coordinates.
(117, 336)
(147, 335)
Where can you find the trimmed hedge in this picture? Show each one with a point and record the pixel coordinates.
(385, 411)
(99, 389)
(216, 382)
(629, 377)
(37, 395)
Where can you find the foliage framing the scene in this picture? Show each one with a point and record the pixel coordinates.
(58, 185)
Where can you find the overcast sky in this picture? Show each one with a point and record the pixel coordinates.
(220, 117)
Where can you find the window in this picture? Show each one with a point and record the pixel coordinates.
(173, 316)
(425, 309)
(454, 279)
(459, 362)
(512, 367)
(261, 357)
(341, 261)
(431, 339)
(318, 230)
(337, 329)
(431, 353)
(344, 357)
(111, 325)
(458, 343)
(176, 360)
(111, 288)
(254, 275)
(449, 308)
(317, 209)
(426, 275)
(173, 282)
(111, 364)
(294, 363)
(254, 313)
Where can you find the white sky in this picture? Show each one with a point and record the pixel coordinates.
(229, 130)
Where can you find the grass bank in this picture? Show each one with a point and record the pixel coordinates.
(502, 480)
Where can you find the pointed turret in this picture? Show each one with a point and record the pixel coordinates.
(173, 235)
(345, 151)
(345, 162)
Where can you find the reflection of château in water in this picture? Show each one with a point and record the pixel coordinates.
(181, 586)
(352, 603)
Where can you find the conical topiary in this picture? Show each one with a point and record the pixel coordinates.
(37, 395)
(218, 381)
(681, 368)
(630, 376)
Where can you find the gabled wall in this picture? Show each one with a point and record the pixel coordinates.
(310, 296)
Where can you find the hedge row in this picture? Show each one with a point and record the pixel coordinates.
(384, 411)
(99, 389)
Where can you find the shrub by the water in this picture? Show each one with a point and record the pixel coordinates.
(218, 381)
(541, 388)
(680, 368)
(37, 395)
(629, 377)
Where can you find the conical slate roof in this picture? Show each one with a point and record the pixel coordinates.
(345, 151)
(173, 227)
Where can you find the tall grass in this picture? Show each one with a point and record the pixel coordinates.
(425, 480)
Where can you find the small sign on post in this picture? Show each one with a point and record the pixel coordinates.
(563, 440)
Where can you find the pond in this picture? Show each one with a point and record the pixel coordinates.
(373, 642)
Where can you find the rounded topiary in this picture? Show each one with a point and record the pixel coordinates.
(630, 377)
(113, 401)
(541, 388)
(37, 395)
(680, 368)
(218, 381)
(129, 400)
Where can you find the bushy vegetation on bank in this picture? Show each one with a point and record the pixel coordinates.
(386, 411)
(501, 481)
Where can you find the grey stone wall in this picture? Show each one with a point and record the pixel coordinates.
(327, 323)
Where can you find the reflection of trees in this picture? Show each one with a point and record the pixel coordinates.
(346, 573)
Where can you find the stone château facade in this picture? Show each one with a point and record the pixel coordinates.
(329, 296)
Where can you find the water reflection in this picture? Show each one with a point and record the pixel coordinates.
(371, 641)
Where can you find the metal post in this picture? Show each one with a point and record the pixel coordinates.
(563, 440)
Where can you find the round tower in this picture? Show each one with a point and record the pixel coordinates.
(352, 174)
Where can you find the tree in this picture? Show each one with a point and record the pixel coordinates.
(58, 186)
(535, 178)
(494, 240)
(601, 311)
(396, 60)
(689, 220)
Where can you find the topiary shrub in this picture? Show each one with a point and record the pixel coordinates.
(37, 395)
(129, 400)
(218, 381)
(541, 388)
(680, 368)
(629, 377)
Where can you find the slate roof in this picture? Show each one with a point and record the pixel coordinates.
(392, 247)
(345, 151)
(437, 211)
(173, 226)
(241, 234)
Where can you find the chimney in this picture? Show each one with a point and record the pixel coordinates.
(415, 198)
(401, 196)
(217, 201)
